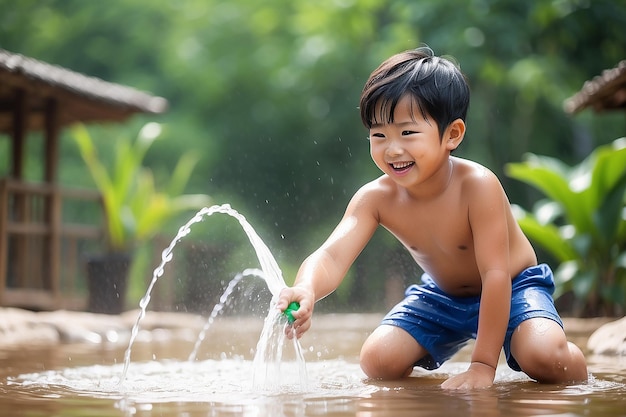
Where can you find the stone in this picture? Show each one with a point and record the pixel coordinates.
(27, 328)
(21, 327)
(609, 339)
(84, 327)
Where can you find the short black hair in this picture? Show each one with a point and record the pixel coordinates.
(436, 85)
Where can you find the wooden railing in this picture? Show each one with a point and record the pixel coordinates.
(41, 249)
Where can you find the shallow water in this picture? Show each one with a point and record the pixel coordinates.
(83, 380)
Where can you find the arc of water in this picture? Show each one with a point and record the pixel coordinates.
(271, 271)
(220, 306)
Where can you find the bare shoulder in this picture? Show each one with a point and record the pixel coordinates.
(476, 179)
(473, 171)
(376, 191)
(370, 199)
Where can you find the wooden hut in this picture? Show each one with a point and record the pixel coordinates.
(36, 242)
(602, 93)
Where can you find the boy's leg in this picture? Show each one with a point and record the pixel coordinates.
(390, 353)
(540, 347)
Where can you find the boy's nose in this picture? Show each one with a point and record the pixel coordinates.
(393, 149)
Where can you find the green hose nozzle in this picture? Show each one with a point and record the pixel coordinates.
(293, 306)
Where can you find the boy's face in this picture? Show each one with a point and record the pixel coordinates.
(409, 150)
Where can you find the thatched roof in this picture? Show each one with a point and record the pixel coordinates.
(604, 92)
(80, 98)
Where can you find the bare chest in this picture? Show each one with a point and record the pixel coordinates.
(439, 238)
(430, 229)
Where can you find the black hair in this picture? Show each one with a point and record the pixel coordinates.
(435, 84)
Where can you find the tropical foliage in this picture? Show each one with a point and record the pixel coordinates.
(266, 94)
(134, 209)
(582, 223)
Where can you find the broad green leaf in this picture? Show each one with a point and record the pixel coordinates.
(547, 211)
(564, 275)
(547, 236)
(609, 215)
(608, 188)
(621, 260)
(583, 283)
(539, 174)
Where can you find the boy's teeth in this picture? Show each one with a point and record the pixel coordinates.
(400, 165)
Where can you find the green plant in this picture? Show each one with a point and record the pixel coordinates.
(134, 209)
(582, 223)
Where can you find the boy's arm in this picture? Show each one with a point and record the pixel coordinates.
(488, 207)
(322, 272)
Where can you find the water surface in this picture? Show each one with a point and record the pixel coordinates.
(83, 379)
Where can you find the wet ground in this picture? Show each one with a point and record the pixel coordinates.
(81, 377)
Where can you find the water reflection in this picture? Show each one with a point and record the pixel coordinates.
(522, 398)
(82, 380)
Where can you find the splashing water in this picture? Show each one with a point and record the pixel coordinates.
(220, 306)
(270, 272)
(267, 374)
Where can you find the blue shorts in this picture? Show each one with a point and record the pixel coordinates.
(442, 324)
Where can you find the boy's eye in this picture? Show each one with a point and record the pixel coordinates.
(407, 132)
(377, 135)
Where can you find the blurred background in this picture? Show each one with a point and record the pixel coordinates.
(266, 95)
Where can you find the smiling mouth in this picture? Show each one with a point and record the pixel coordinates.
(401, 166)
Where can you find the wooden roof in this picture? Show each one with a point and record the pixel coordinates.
(604, 92)
(80, 97)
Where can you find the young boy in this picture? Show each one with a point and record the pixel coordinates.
(481, 277)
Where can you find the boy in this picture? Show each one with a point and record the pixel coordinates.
(481, 279)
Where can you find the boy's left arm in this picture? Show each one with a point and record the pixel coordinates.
(487, 216)
(492, 323)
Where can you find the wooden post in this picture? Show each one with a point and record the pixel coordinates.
(20, 209)
(18, 136)
(51, 140)
(52, 245)
(4, 238)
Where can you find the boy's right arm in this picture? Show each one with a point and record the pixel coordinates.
(322, 272)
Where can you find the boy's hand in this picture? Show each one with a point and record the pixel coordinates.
(479, 375)
(302, 315)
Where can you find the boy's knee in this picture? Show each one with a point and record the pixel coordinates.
(370, 361)
(578, 364)
(562, 362)
(541, 349)
(376, 363)
(389, 353)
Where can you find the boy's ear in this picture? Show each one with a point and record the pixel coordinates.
(455, 134)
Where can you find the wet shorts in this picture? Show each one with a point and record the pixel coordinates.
(443, 324)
